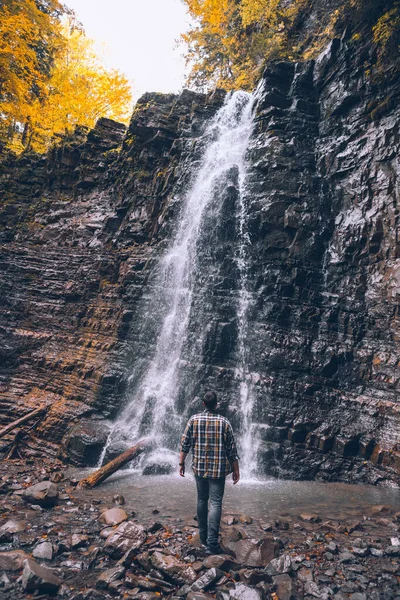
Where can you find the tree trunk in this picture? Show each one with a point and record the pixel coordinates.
(35, 413)
(115, 464)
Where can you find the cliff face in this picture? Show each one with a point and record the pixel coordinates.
(80, 231)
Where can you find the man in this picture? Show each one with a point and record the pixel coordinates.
(215, 455)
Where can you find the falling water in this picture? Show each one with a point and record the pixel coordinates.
(152, 410)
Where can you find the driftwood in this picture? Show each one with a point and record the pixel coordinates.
(14, 447)
(35, 413)
(115, 464)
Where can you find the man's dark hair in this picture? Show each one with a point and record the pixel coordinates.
(210, 400)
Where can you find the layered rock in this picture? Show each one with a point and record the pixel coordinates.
(81, 230)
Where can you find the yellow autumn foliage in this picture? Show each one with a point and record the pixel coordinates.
(50, 76)
(233, 39)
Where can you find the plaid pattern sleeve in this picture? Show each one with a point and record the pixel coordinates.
(211, 438)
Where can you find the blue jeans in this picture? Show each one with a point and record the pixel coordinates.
(209, 523)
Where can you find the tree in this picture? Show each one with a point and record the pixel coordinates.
(80, 91)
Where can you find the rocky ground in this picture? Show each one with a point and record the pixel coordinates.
(57, 540)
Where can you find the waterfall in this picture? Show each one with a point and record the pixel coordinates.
(152, 410)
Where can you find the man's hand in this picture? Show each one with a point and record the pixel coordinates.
(182, 458)
(236, 473)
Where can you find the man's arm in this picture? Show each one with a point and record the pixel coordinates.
(232, 454)
(186, 443)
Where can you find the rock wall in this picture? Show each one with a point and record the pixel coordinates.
(80, 230)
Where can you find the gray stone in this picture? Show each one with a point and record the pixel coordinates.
(285, 588)
(310, 517)
(253, 552)
(198, 596)
(244, 592)
(12, 560)
(43, 551)
(224, 562)
(377, 552)
(282, 564)
(78, 540)
(346, 557)
(127, 536)
(108, 576)
(173, 567)
(207, 580)
(40, 578)
(44, 494)
(311, 588)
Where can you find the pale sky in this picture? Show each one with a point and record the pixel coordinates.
(138, 37)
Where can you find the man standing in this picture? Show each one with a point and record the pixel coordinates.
(215, 455)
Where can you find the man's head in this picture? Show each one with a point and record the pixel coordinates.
(210, 400)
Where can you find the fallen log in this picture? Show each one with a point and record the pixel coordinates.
(113, 466)
(35, 413)
(14, 446)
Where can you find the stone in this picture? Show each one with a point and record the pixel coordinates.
(113, 516)
(245, 519)
(244, 592)
(282, 564)
(118, 499)
(199, 596)
(104, 533)
(310, 517)
(10, 527)
(377, 552)
(229, 519)
(346, 557)
(36, 577)
(127, 536)
(44, 494)
(311, 588)
(381, 509)
(78, 540)
(108, 576)
(253, 552)
(12, 560)
(43, 551)
(285, 588)
(173, 567)
(207, 580)
(224, 562)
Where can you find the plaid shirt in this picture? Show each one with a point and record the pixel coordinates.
(211, 438)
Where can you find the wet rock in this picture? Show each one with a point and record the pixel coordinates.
(113, 516)
(223, 562)
(229, 519)
(207, 580)
(118, 499)
(13, 560)
(36, 577)
(9, 528)
(78, 540)
(199, 596)
(285, 588)
(253, 552)
(109, 576)
(162, 468)
(104, 533)
(245, 519)
(43, 551)
(381, 509)
(44, 494)
(173, 567)
(346, 557)
(282, 564)
(377, 552)
(310, 517)
(127, 536)
(243, 592)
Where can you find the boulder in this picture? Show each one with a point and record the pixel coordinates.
(166, 563)
(84, 443)
(207, 580)
(36, 577)
(109, 576)
(10, 527)
(253, 552)
(114, 516)
(127, 536)
(44, 494)
(244, 592)
(285, 588)
(224, 562)
(43, 551)
(13, 560)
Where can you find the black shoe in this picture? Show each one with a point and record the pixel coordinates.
(203, 541)
(215, 549)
